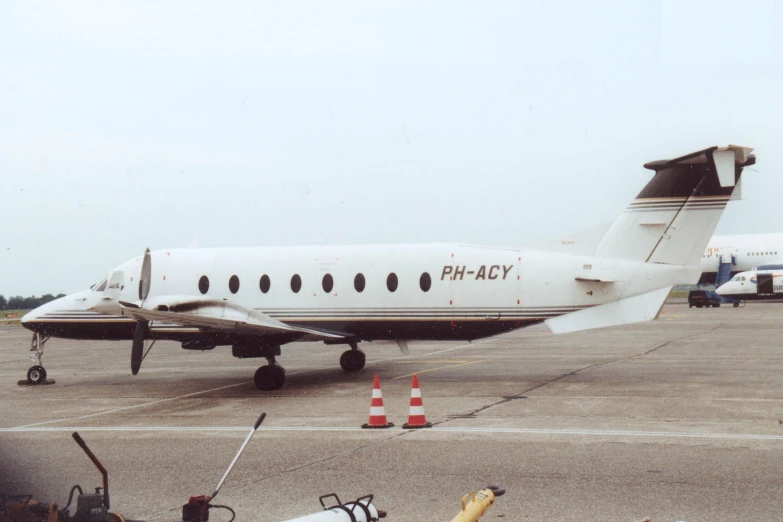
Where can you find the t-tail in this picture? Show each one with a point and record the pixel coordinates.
(674, 216)
(658, 241)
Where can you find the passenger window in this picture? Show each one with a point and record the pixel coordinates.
(296, 283)
(392, 282)
(359, 282)
(264, 283)
(425, 282)
(327, 283)
(233, 284)
(203, 284)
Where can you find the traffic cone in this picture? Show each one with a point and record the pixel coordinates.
(377, 411)
(416, 417)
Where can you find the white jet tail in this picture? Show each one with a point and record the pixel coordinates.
(674, 216)
(665, 230)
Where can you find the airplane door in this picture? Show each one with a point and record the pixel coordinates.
(728, 255)
(764, 284)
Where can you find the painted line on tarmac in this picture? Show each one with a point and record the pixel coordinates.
(435, 430)
(441, 368)
(243, 383)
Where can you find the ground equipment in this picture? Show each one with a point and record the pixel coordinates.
(198, 506)
(90, 507)
(360, 510)
(475, 505)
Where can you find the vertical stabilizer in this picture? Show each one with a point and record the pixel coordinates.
(674, 216)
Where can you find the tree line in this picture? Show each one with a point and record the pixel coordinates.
(18, 302)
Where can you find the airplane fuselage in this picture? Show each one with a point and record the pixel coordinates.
(411, 292)
(748, 251)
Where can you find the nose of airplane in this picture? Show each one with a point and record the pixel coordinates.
(42, 319)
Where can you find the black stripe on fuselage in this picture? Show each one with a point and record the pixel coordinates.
(366, 329)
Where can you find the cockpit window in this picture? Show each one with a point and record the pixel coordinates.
(100, 287)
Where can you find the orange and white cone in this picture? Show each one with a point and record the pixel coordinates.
(416, 417)
(377, 411)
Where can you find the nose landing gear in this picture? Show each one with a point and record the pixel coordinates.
(37, 374)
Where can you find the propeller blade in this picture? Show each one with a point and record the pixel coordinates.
(137, 352)
(146, 275)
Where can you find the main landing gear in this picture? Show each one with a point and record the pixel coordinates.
(354, 359)
(270, 377)
(37, 374)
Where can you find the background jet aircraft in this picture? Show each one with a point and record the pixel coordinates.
(257, 299)
(762, 283)
(726, 256)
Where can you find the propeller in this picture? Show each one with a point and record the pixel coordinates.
(142, 327)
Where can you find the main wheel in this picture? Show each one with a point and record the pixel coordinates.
(352, 360)
(269, 377)
(36, 375)
(736, 305)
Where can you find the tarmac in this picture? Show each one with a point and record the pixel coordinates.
(677, 419)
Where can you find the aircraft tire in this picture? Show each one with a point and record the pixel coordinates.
(269, 377)
(736, 305)
(36, 375)
(352, 360)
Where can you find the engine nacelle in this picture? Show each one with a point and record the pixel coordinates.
(198, 344)
(248, 349)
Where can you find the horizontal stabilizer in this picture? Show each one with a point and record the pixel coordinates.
(644, 307)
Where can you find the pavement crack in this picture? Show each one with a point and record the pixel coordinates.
(509, 398)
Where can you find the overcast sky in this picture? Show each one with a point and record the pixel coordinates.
(157, 124)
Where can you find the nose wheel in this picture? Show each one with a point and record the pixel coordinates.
(270, 377)
(37, 374)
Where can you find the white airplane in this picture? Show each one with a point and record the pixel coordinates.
(743, 252)
(257, 299)
(762, 283)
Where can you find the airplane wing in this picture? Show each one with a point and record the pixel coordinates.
(215, 315)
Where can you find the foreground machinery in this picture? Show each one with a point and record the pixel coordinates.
(94, 507)
(90, 507)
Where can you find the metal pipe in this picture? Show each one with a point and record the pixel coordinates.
(241, 449)
(98, 465)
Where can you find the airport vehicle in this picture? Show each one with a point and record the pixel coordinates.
(703, 298)
(727, 256)
(258, 299)
(763, 283)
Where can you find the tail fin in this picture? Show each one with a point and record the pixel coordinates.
(673, 217)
